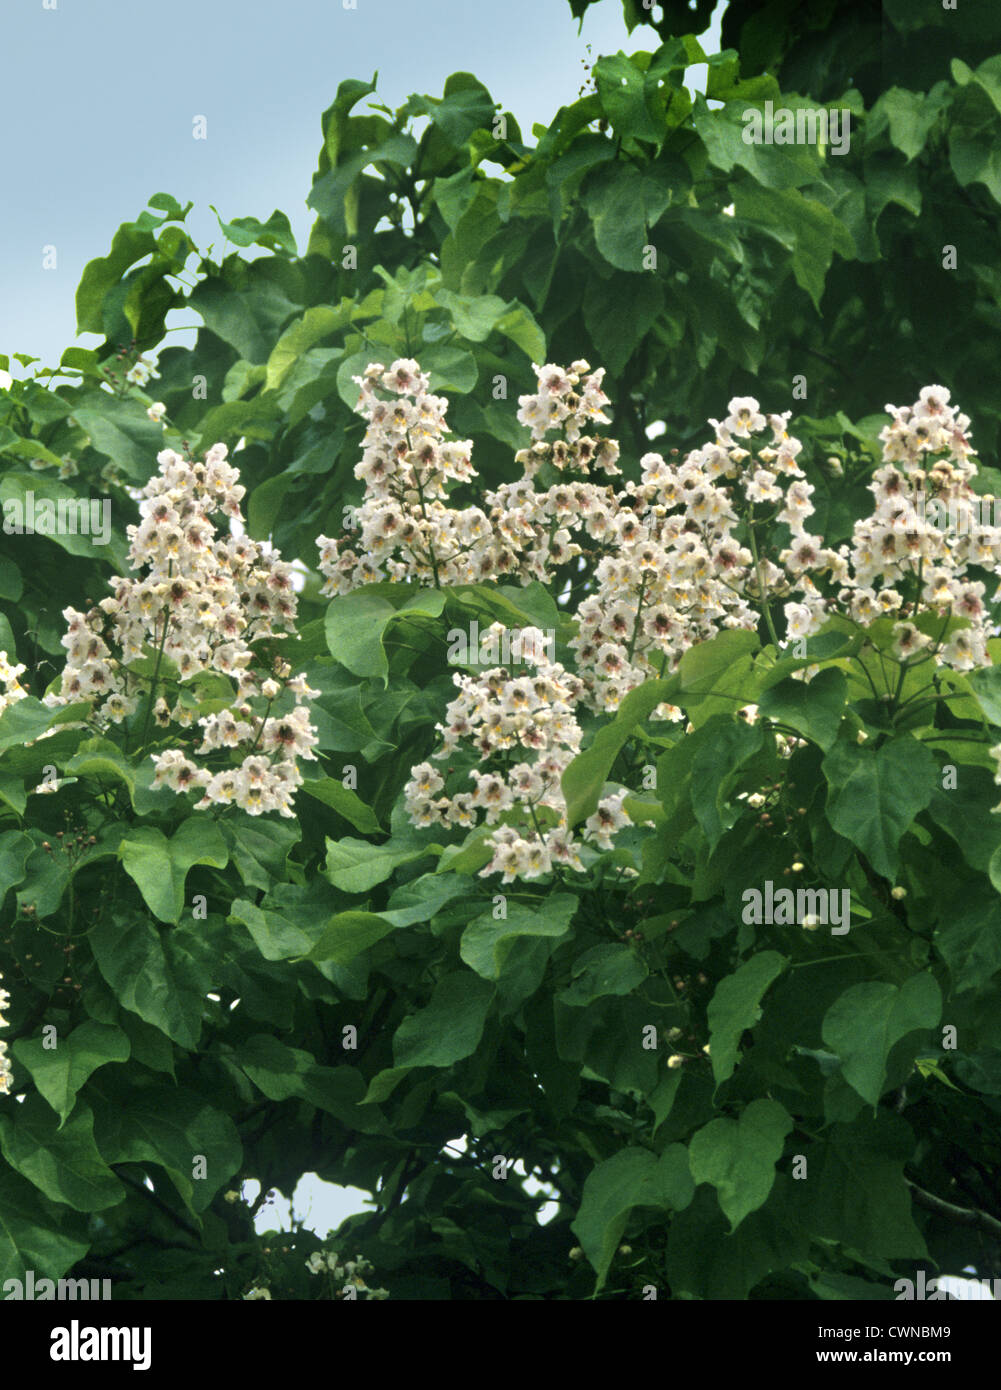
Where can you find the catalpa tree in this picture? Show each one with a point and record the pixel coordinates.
(525, 745)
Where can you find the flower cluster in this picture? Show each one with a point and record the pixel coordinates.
(524, 732)
(558, 404)
(404, 528)
(674, 573)
(5, 1072)
(203, 600)
(921, 570)
(677, 572)
(13, 690)
(654, 567)
(351, 1272)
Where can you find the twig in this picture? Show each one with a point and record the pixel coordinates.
(962, 1216)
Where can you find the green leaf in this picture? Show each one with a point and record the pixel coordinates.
(874, 794)
(122, 431)
(585, 777)
(521, 326)
(986, 685)
(241, 378)
(355, 625)
(473, 854)
(171, 1126)
(25, 720)
(812, 708)
(315, 324)
(131, 243)
(474, 316)
(275, 234)
(808, 230)
(421, 898)
(153, 975)
(864, 1023)
(290, 921)
(622, 88)
(345, 802)
(451, 1025)
(12, 792)
(11, 589)
(623, 203)
(103, 760)
(911, 116)
(452, 368)
(611, 968)
(771, 166)
(465, 106)
(738, 1157)
(715, 771)
(260, 851)
(159, 867)
(856, 1194)
(60, 1071)
(34, 1234)
(150, 1047)
(631, 1178)
(967, 935)
(736, 1006)
(329, 195)
(959, 811)
(282, 1072)
(486, 943)
(704, 665)
(348, 934)
(619, 313)
(62, 1160)
(355, 866)
(705, 1260)
(15, 850)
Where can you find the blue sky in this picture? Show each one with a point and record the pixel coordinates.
(97, 100)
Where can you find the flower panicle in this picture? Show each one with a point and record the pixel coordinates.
(200, 602)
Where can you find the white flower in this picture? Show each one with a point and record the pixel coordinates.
(6, 380)
(157, 411)
(139, 374)
(745, 417)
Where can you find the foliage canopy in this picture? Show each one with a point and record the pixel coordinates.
(443, 233)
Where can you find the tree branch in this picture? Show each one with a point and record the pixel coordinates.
(961, 1216)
